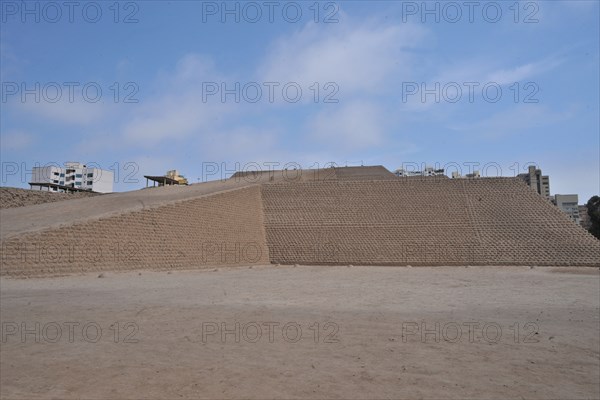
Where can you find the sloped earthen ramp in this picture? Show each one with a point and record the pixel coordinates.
(200, 226)
(353, 217)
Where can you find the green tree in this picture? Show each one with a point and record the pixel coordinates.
(593, 209)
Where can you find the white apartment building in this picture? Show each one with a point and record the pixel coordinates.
(74, 176)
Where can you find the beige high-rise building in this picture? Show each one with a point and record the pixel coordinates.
(538, 182)
(568, 204)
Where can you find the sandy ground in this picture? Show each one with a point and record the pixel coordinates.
(525, 333)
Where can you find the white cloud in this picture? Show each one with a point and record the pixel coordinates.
(173, 118)
(194, 68)
(523, 117)
(78, 112)
(359, 58)
(124, 67)
(351, 126)
(468, 79)
(179, 110)
(519, 73)
(243, 143)
(15, 140)
(12, 66)
(367, 61)
(483, 72)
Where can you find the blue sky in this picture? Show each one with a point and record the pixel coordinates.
(379, 84)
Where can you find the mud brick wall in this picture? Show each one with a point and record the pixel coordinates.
(221, 229)
(421, 221)
(515, 225)
(364, 173)
(392, 222)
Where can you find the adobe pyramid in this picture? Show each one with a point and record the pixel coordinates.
(355, 215)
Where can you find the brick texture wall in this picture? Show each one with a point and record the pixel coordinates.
(14, 197)
(515, 225)
(221, 229)
(401, 221)
(421, 221)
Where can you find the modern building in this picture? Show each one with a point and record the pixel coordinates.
(73, 177)
(538, 182)
(428, 171)
(568, 203)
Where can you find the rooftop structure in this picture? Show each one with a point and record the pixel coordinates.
(171, 178)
